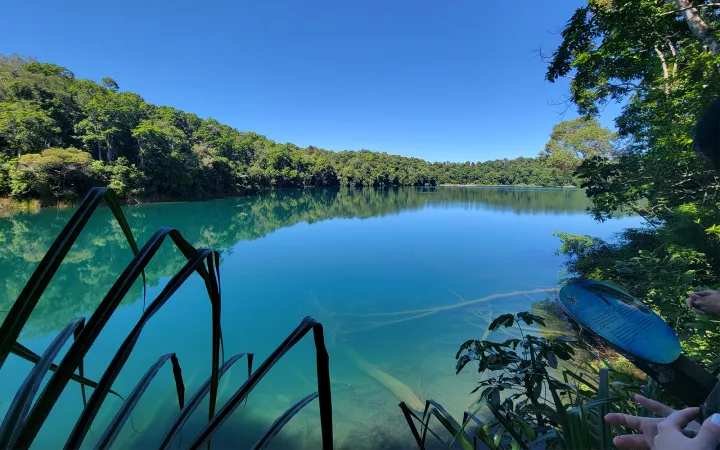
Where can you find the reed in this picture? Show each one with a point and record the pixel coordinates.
(26, 416)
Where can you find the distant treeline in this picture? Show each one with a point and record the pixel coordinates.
(60, 135)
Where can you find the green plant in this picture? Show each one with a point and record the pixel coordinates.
(533, 390)
(25, 417)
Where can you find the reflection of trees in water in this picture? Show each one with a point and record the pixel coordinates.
(101, 253)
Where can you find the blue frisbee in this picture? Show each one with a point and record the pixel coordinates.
(621, 319)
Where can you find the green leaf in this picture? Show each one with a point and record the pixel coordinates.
(241, 394)
(505, 320)
(508, 427)
(102, 314)
(27, 300)
(281, 421)
(17, 413)
(123, 414)
(82, 425)
(28, 355)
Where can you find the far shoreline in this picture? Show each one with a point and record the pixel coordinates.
(508, 186)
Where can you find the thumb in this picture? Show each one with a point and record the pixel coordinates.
(709, 434)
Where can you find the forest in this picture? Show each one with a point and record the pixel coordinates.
(60, 135)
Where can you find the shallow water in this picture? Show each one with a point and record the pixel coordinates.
(344, 257)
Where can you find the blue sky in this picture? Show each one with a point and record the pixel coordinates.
(448, 80)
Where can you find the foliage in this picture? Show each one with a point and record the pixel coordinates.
(25, 417)
(537, 392)
(519, 370)
(649, 55)
(573, 141)
(150, 152)
(55, 172)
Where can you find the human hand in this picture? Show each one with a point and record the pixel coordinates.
(670, 434)
(647, 426)
(705, 302)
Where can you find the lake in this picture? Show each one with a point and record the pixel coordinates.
(345, 257)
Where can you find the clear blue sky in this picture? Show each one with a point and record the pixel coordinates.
(437, 79)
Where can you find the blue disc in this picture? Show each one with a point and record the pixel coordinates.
(619, 318)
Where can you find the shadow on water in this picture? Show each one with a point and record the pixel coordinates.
(100, 255)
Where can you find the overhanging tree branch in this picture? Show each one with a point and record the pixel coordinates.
(698, 26)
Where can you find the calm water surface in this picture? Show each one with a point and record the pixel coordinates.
(341, 256)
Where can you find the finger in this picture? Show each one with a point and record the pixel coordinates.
(679, 419)
(689, 301)
(709, 434)
(704, 293)
(624, 420)
(630, 441)
(656, 407)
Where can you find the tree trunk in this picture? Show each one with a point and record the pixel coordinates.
(141, 157)
(666, 75)
(674, 54)
(99, 152)
(697, 25)
(109, 151)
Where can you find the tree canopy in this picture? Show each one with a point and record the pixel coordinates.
(572, 141)
(148, 151)
(660, 59)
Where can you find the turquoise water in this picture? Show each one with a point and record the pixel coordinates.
(337, 255)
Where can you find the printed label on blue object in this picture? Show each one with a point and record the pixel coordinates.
(621, 319)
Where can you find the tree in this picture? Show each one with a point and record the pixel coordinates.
(147, 150)
(111, 117)
(55, 172)
(110, 84)
(572, 141)
(645, 53)
(25, 128)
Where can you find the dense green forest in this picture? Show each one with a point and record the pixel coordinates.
(60, 135)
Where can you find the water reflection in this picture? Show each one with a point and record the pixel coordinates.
(101, 252)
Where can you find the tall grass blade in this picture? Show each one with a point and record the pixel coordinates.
(97, 322)
(581, 380)
(410, 414)
(509, 428)
(323, 373)
(121, 356)
(282, 421)
(28, 355)
(18, 315)
(81, 367)
(123, 414)
(481, 430)
(577, 429)
(451, 425)
(561, 412)
(197, 398)
(212, 283)
(16, 414)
